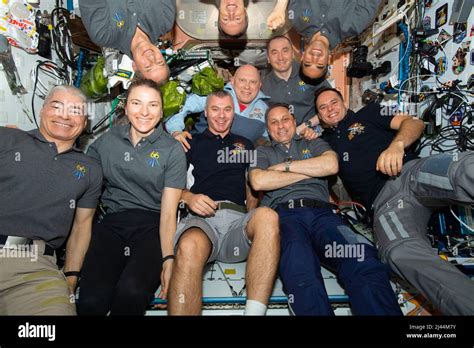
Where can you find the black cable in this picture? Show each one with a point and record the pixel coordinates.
(62, 38)
(105, 118)
(446, 100)
(461, 135)
(33, 95)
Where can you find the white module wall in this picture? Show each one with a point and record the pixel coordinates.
(17, 110)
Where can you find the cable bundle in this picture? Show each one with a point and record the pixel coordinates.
(61, 37)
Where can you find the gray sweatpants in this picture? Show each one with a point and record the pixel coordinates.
(401, 213)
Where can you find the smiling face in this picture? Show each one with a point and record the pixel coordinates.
(220, 114)
(232, 17)
(246, 83)
(280, 55)
(144, 110)
(281, 125)
(316, 57)
(149, 61)
(331, 108)
(63, 116)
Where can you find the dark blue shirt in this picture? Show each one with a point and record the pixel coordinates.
(359, 139)
(220, 165)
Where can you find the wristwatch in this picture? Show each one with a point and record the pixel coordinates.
(308, 124)
(287, 164)
(318, 130)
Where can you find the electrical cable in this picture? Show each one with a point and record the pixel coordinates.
(460, 221)
(61, 36)
(408, 43)
(79, 64)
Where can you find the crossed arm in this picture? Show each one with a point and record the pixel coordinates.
(275, 176)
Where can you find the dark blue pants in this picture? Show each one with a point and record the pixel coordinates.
(314, 236)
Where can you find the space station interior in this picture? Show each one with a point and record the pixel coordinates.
(414, 58)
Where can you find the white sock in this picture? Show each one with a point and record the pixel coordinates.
(253, 307)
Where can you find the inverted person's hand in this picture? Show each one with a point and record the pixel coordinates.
(276, 19)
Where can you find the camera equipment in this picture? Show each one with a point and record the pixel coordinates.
(383, 69)
(359, 66)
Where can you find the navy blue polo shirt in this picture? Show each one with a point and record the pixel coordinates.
(220, 165)
(359, 139)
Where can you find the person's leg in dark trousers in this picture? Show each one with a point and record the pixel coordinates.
(141, 277)
(123, 265)
(365, 279)
(103, 265)
(299, 267)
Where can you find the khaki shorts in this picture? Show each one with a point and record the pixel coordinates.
(226, 230)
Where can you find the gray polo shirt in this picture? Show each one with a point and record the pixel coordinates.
(335, 19)
(297, 91)
(112, 23)
(300, 149)
(134, 177)
(40, 189)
